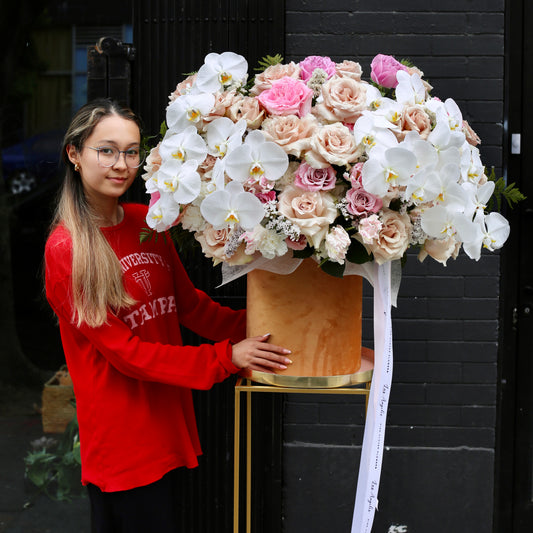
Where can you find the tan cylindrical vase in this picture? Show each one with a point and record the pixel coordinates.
(315, 315)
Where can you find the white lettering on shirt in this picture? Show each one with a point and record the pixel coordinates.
(146, 312)
(142, 258)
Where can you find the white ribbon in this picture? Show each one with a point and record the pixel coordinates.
(366, 500)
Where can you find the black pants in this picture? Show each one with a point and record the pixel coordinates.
(152, 508)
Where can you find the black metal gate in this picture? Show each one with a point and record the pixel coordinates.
(515, 473)
(171, 39)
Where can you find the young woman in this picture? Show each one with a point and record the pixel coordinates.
(120, 305)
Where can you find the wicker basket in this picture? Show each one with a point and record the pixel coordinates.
(58, 396)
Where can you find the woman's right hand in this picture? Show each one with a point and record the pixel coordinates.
(255, 353)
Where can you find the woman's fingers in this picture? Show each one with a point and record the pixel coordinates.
(255, 353)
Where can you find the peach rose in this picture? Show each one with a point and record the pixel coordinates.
(414, 118)
(333, 144)
(247, 108)
(183, 87)
(440, 249)
(264, 80)
(213, 242)
(393, 238)
(152, 163)
(349, 69)
(312, 212)
(292, 133)
(344, 100)
(222, 102)
(471, 136)
(416, 70)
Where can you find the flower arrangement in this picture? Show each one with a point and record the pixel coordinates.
(309, 159)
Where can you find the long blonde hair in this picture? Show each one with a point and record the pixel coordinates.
(97, 283)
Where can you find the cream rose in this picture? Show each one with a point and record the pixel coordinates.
(292, 133)
(440, 249)
(213, 242)
(247, 108)
(222, 102)
(183, 87)
(264, 80)
(349, 69)
(393, 238)
(312, 212)
(344, 100)
(414, 118)
(333, 144)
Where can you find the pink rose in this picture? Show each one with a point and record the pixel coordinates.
(356, 174)
(384, 69)
(315, 179)
(361, 202)
(265, 79)
(310, 63)
(287, 97)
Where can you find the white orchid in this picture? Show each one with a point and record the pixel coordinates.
(445, 189)
(493, 231)
(256, 158)
(410, 89)
(180, 180)
(223, 135)
(477, 197)
(388, 168)
(232, 205)
(183, 146)
(371, 130)
(440, 222)
(221, 71)
(472, 169)
(419, 189)
(187, 110)
(163, 213)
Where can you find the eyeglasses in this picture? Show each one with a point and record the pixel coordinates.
(109, 156)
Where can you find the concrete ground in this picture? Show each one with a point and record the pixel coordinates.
(22, 508)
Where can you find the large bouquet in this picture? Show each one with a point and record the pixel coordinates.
(308, 159)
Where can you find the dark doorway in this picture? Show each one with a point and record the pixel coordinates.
(515, 468)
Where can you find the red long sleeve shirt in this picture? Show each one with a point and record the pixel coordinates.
(132, 376)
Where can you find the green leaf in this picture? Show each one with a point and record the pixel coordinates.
(333, 269)
(303, 254)
(163, 128)
(510, 193)
(357, 253)
(268, 61)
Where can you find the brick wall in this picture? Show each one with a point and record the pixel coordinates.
(442, 414)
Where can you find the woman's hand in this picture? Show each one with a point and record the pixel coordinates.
(255, 353)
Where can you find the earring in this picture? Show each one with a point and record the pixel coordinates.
(77, 167)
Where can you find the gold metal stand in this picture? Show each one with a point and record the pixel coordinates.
(247, 386)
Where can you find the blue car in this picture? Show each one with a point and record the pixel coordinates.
(31, 162)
